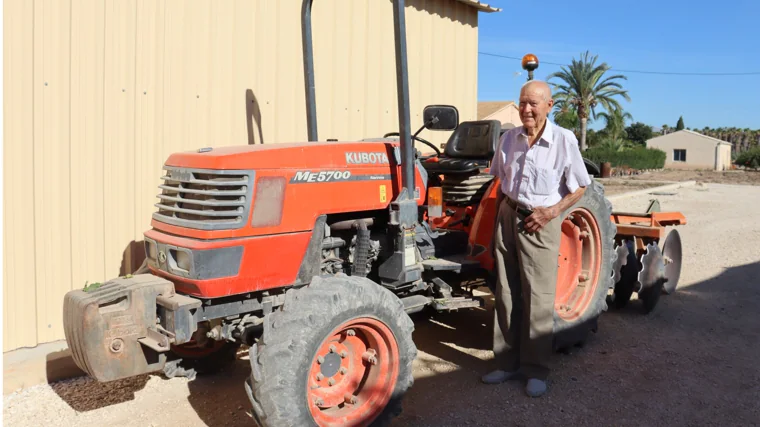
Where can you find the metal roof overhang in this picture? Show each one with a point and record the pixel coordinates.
(480, 6)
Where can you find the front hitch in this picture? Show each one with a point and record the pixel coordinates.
(126, 326)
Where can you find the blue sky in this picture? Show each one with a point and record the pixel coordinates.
(649, 35)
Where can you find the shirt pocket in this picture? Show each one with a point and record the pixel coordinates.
(543, 181)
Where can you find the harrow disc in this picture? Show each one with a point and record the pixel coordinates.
(672, 255)
(651, 277)
(626, 268)
(621, 259)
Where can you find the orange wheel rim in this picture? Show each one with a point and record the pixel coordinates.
(579, 264)
(353, 374)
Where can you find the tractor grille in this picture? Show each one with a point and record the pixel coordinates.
(204, 199)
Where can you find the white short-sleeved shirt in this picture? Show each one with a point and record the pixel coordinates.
(539, 176)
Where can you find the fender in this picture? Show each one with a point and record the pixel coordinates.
(481, 232)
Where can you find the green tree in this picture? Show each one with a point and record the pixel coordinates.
(583, 85)
(639, 133)
(594, 138)
(568, 119)
(612, 144)
(679, 125)
(614, 122)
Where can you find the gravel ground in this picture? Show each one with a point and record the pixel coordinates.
(690, 362)
(619, 186)
(739, 176)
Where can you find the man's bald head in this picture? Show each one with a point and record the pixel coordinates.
(537, 86)
(535, 104)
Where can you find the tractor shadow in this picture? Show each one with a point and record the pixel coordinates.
(132, 257)
(87, 394)
(693, 358)
(220, 399)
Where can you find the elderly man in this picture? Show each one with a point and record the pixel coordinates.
(542, 174)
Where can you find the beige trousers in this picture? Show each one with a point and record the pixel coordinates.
(526, 282)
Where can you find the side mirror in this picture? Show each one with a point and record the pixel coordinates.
(441, 117)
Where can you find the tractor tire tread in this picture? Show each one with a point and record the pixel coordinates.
(291, 335)
(572, 333)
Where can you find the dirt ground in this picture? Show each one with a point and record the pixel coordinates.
(745, 177)
(693, 361)
(614, 186)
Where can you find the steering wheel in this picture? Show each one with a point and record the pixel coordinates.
(428, 143)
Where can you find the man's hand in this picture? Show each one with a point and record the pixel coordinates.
(539, 218)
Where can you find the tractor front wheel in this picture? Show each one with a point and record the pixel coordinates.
(338, 352)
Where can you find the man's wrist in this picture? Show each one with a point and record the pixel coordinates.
(554, 211)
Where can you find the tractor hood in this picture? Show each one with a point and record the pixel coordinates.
(291, 156)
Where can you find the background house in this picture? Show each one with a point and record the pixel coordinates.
(504, 111)
(686, 149)
(98, 94)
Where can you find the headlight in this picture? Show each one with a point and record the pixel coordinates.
(184, 260)
(150, 249)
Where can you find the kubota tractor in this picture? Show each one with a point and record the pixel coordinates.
(314, 254)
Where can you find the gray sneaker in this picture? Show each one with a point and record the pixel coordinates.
(497, 377)
(535, 387)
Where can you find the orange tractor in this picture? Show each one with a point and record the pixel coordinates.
(314, 254)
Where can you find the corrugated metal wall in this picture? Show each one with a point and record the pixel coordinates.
(99, 93)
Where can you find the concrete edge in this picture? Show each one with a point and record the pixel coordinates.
(615, 180)
(674, 186)
(44, 364)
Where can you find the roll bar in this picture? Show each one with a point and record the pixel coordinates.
(402, 83)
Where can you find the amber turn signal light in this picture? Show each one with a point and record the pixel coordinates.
(435, 202)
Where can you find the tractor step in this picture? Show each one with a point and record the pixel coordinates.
(455, 263)
(448, 302)
(455, 303)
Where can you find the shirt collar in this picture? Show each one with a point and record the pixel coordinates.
(547, 135)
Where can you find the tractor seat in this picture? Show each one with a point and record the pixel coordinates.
(469, 149)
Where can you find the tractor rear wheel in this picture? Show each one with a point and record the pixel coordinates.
(585, 263)
(338, 352)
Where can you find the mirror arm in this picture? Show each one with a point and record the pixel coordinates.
(432, 121)
(420, 130)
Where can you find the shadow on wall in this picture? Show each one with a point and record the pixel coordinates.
(132, 258)
(694, 355)
(448, 9)
(253, 113)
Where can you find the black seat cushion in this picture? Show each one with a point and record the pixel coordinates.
(469, 149)
(474, 140)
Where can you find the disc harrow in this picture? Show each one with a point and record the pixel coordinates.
(646, 264)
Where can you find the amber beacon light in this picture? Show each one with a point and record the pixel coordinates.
(530, 63)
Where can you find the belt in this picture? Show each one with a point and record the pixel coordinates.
(518, 207)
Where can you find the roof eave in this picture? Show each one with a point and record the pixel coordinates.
(483, 7)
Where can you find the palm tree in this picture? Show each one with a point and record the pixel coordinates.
(613, 144)
(584, 86)
(615, 122)
(568, 119)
